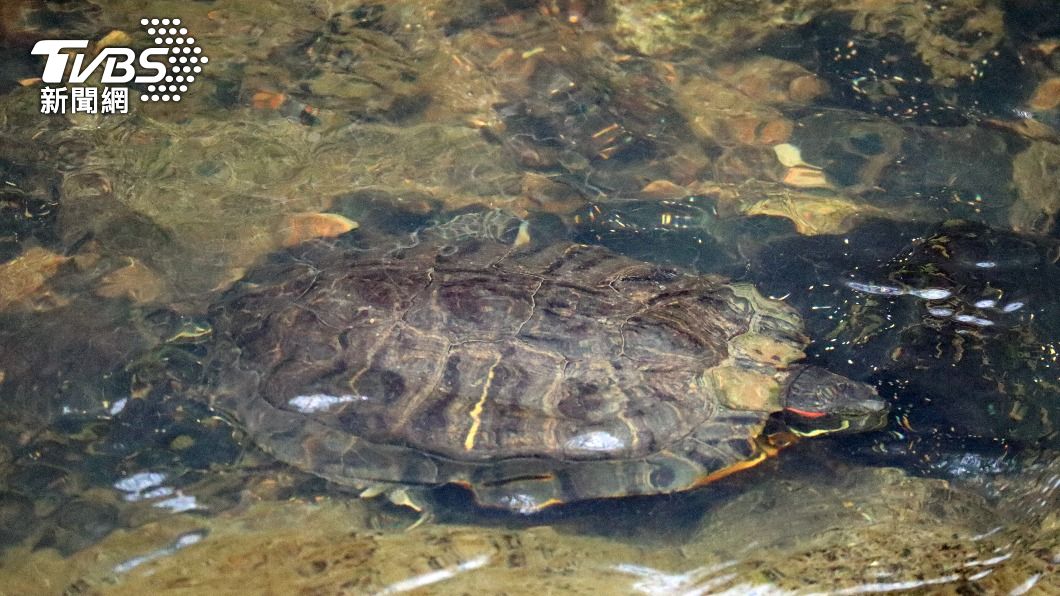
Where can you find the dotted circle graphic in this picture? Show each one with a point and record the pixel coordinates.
(184, 58)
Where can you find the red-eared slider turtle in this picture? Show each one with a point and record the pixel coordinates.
(531, 376)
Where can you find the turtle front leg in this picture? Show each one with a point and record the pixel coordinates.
(404, 496)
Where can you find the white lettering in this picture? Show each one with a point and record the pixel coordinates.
(123, 58)
(156, 65)
(55, 65)
(79, 75)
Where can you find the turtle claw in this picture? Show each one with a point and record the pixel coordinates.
(415, 500)
(402, 497)
(373, 491)
(425, 516)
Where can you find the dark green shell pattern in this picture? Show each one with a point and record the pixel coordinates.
(532, 377)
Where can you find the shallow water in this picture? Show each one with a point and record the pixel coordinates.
(890, 170)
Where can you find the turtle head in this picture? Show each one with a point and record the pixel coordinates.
(817, 401)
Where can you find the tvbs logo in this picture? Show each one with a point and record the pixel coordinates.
(167, 69)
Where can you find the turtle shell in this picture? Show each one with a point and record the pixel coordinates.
(529, 376)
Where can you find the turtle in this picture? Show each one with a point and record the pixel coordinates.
(530, 375)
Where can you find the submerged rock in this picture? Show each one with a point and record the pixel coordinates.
(857, 530)
(1036, 175)
(22, 279)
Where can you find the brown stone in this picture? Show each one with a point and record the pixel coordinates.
(812, 214)
(304, 226)
(744, 129)
(806, 177)
(806, 88)
(135, 281)
(544, 194)
(22, 278)
(114, 38)
(775, 132)
(663, 189)
(1047, 95)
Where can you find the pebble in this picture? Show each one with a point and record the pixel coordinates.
(305, 226)
(806, 177)
(1047, 95)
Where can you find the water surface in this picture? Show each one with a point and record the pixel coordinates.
(891, 170)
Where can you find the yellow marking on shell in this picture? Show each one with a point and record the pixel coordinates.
(414, 402)
(749, 377)
(744, 390)
(766, 350)
(476, 412)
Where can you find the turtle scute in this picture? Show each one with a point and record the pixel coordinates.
(532, 375)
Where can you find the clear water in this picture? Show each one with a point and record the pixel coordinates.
(891, 170)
